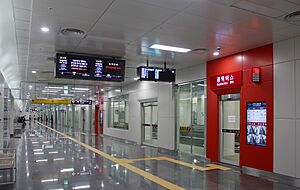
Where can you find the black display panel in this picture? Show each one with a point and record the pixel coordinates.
(257, 123)
(156, 74)
(89, 68)
(84, 102)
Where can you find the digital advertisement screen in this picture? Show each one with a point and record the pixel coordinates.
(89, 68)
(257, 123)
(156, 74)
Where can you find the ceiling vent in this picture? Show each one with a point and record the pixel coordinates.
(73, 32)
(200, 50)
(293, 18)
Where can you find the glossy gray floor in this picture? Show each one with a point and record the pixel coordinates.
(49, 161)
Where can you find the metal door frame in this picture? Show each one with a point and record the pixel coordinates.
(151, 104)
(220, 129)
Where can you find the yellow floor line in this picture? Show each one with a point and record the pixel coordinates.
(209, 166)
(122, 162)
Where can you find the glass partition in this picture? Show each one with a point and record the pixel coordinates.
(118, 111)
(191, 117)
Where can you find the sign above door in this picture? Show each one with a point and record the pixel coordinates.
(226, 80)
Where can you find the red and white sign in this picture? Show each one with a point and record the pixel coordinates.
(227, 80)
(255, 74)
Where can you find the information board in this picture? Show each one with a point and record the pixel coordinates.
(50, 101)
(257, 123)
(82, 102)
(89, 68)
(156, 74)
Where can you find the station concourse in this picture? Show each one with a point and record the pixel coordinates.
(147, 94)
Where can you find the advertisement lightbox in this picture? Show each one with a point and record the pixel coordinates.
(257, 123)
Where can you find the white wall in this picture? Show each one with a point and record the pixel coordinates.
(287, 107)
(142, 92)
(193, 73)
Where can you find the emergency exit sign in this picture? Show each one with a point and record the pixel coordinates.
(227, 80)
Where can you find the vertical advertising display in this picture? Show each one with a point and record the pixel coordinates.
(257, 123)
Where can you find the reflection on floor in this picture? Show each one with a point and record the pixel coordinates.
(47, 160)
(233, 159)
(196, 150)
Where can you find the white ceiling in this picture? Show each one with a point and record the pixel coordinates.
(126, 28)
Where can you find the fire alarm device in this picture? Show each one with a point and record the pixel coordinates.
(256, 74)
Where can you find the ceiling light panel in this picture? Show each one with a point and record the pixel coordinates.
(81, 89)
(170, 48)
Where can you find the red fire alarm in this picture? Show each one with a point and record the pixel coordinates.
(256, 74)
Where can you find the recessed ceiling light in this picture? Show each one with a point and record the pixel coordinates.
(216, 53)
(83, 95)
(170, 48)
(67, 94)
(54, 87)
(82, 89)
(45, 29)
(30, 86)
(102, 90)
(33, 72)
(118, 90)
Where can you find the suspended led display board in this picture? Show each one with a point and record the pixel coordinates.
(89, 68)
(82, 102)
(156, 74)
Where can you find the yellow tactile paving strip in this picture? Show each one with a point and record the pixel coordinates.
(126, 163)
(209, 166)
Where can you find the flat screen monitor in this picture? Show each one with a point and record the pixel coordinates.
(156, 74)
(257, 123)
(89, 68)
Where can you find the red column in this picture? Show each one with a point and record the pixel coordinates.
(96, 116)
(102, 114)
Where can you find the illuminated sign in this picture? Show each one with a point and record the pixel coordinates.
(50, 101)
(89, 68)
(82, 102)
(156, 74)
(227, 80)
(256, 74)
(257, 123)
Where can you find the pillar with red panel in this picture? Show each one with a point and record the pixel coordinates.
(99, 111)
(101, 108)
(254, 69)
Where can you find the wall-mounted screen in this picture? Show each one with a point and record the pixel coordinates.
(156, 74)
(89, 68)
(257, 123)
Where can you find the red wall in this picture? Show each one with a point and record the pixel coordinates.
(253, 156)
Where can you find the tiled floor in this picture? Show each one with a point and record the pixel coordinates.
(47, 160)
